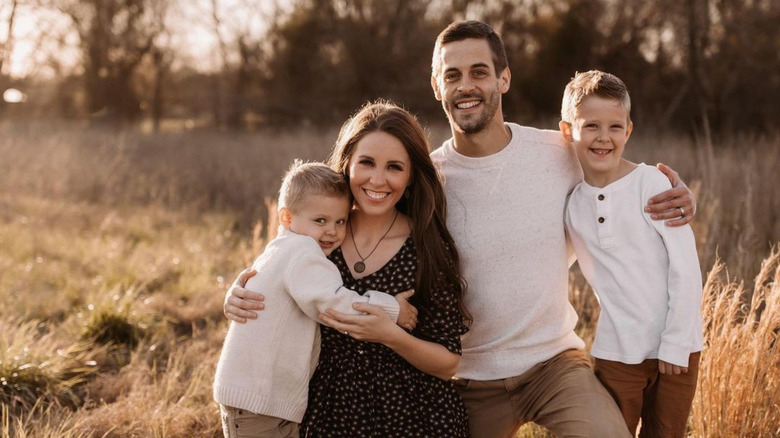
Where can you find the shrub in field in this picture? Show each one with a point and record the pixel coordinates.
(111, 326)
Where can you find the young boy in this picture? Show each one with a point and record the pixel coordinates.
(262, 377)
(646, 275)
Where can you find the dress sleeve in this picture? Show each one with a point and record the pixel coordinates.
(441, 322)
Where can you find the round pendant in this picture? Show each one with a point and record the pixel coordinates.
(359, 267)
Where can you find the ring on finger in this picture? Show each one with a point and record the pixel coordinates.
(346, 332)
(682, 211)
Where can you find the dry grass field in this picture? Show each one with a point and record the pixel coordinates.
(116, 248)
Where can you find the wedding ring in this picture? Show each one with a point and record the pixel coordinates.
(682, 212)
(346, 332)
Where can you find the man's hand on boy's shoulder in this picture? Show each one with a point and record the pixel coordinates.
(677, 205)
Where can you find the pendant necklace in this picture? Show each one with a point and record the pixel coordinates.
(360, 266)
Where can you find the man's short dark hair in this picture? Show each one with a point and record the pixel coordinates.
(462, 30)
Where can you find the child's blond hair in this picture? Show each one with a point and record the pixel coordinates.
(593, 83)
(310, 179)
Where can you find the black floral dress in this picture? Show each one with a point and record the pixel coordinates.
(366, 390)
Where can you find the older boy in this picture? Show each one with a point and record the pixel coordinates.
(646, 276)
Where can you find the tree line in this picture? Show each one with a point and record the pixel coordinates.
(689, 64)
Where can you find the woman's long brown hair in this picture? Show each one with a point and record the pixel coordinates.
(438, 263)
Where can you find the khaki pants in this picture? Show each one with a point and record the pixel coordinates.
(237, 423)
(662, 401)
(561, 394)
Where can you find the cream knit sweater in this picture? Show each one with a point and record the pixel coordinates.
(266, 363)
(505, 212)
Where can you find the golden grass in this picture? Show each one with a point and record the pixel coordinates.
(738, 214)
(739, 380)
(144, 233)
(74, 268)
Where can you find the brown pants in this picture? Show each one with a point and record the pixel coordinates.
(662, 401)
(561, 394)
(238, 423)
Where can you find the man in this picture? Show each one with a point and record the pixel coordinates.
(506, 188)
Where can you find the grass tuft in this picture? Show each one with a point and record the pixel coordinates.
(109, 326)
(42, 376)
(739, 377)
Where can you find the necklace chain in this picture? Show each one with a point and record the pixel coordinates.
(360, 266)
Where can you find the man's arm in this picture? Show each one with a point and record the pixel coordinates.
(677, 205)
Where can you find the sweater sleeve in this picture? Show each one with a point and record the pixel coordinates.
(684, 283)
(315, 284)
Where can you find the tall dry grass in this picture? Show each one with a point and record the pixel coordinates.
(738, 214)
(110, 318)
(116, 249)
(190, 170)
(739, 379)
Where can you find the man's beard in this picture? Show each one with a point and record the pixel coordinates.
(490, 106)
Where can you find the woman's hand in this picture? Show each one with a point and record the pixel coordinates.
(374, 325)
(677, 203)
(241, 304)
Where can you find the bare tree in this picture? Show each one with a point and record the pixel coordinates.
(241, 49)
(6, 48)
(115, 36)
(327, 57)
(217, 93)
(7, 45)
(161, 63)
(698, 23)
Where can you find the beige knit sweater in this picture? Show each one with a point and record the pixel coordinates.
(266, 363)
(505, 212)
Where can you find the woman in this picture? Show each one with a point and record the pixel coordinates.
(373, 378)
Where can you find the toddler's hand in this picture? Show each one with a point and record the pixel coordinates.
(407, 314)
(372, 325)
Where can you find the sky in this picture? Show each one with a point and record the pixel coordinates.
(27, 49)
